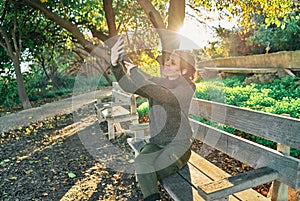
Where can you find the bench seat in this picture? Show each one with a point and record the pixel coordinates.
(183, 186)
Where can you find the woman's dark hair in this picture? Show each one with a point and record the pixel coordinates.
(187, 61)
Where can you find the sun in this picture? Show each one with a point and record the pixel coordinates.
(195, 33)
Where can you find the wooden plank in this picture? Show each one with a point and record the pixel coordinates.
(221, 188)
(196, 177)
(215, 173)
(121, 98)
(119, 111)
(240, 69)
(289, 72)
(179, 189)
(119, 114)
(284, 130)
(207, 167)
(116, 86)
(250, 153)
(136, 145)
(122, 118)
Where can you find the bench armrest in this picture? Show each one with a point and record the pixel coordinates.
(225, 187)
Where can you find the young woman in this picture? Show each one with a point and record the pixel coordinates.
(169, 99)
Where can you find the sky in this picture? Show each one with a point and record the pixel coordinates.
(200, 33)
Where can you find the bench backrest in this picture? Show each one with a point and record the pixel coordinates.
(123, 98)
(280, 129)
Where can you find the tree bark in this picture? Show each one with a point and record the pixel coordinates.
(176, 14)
(110, 18)
(168, 36)
(14, 52)
(20, 84)
(153, 15)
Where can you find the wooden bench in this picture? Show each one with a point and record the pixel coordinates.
(121, 108)
(201, 180)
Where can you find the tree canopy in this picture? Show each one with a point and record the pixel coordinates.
(77, 29)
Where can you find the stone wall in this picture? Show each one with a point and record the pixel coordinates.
(284, 59)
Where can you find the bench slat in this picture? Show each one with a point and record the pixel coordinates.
(121, 98)
(249, 152)
(284, 130)
(214, 173)
(207, 168)
(179, 189)
(220, 188)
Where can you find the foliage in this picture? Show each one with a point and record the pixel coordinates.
(228, 43)
(262, 37)
(210, 92)
(143, 109)
(280, 96)
(8, 90)
(36, 86)
(245, 11)
(277, 38)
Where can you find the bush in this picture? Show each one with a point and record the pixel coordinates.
(143, 109)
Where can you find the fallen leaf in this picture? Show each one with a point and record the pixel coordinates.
(71, 175)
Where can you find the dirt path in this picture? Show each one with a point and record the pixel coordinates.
(26, 117)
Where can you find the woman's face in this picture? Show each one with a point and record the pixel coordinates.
(171, 68)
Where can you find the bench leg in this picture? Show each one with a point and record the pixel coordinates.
(111, 130)
(139, 134)
(118, 127)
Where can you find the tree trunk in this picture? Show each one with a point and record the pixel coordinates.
(168, 36)
(20, 84)
(176, 14)
(110, 17)
(175, 22)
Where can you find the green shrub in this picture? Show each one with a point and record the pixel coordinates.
(143, 109)
(234, 81)
(213, 91)
(50, 94)
(286, 106)
(239, 95)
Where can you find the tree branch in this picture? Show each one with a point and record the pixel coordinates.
(99, 34)
(7, 44)
(152, 14)
(2, 45)
(4, 11)
(15, 42)
(98, 51)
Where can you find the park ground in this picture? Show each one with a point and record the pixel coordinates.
(44, 155)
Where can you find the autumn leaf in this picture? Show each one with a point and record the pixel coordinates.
(28, 131)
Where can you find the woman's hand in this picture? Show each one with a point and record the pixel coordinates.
(117, 51)
(128, 66)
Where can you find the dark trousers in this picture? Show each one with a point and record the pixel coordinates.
(155, 163)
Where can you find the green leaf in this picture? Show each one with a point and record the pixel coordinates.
(4, 161)
(71, 175)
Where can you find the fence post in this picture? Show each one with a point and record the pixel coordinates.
(280, 190)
